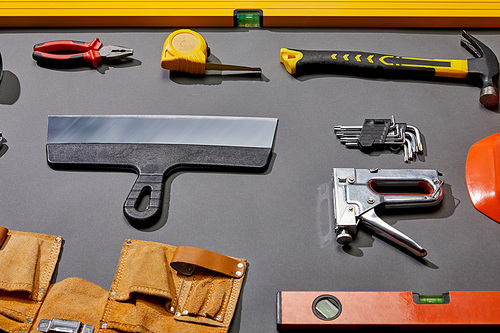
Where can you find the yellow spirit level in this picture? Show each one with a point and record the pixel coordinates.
(280, 13)
(315, 310)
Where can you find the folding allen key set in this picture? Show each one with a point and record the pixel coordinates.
(382, 133)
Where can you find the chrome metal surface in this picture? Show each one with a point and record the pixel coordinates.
(63, 326)
(398, 135)
(115, 52)
(192, 130)
(355, 200)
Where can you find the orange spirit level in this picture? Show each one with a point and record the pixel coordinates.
(281, 13)
(316, 310)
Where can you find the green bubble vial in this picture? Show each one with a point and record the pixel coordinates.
(247, 19)
(431, 299)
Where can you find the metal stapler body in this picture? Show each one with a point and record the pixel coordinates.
(357, 192)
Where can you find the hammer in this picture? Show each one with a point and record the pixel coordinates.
(482, 70)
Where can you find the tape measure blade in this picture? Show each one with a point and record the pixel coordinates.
(222, 67)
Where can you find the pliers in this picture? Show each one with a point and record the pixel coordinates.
(68, 53)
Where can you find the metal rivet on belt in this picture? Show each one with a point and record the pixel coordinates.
(41, 290)
(113, 293)
(205, 312)
(171, 309)
(177, 314)
(240, 265)
(28, 320)
(185, 312)
(238, 273)
(58, 239)
(104, 325)
(218, 317)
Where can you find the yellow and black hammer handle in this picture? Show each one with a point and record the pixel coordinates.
(302, 62)
(364, 63)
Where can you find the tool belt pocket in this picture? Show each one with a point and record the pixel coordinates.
(161, 288)
(27, 263)
(208, 288)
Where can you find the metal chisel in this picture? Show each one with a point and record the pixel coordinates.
(156, 146)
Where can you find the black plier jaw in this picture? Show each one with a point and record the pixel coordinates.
(358, 192)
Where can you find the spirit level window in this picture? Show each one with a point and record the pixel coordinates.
(248, 18)
(327, 307)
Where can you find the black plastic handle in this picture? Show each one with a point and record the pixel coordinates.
(154, 163)
(365, 64)
(146, 185)
(59, 60)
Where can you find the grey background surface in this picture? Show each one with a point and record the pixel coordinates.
(279, 221)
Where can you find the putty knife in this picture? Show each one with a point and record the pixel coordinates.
(156, 146)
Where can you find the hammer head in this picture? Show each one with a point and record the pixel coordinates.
(483, 70)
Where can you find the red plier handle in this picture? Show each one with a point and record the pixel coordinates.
(68, 53)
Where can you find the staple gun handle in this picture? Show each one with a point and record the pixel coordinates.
(375, 223)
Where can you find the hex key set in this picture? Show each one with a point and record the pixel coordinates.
(382, 134)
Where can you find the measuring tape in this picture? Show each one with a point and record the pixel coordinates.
(187, 51)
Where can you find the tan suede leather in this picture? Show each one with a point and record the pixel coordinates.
(73, 299)
(28, 261)
(146, 295)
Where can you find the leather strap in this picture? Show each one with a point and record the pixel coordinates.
(187, 258)
(3, 234)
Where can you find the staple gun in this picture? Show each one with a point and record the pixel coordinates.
(357, 192)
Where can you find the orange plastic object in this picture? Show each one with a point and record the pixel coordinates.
(482, 175)
(392, 308)
(3, 234)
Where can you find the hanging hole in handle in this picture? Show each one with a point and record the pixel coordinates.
(417, 187)
(143, 200)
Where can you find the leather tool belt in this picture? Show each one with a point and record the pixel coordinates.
(156, 288)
